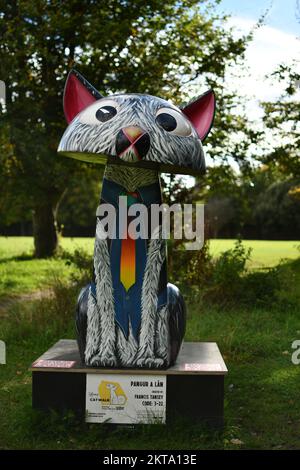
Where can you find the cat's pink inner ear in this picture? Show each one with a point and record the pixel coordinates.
(77, 96)
(201, 113)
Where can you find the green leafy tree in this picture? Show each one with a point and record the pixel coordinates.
(76, 214)
(282, 120)
(265, 204)
(153, 47)
(277, 211)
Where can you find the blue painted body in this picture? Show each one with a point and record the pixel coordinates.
(128, 303)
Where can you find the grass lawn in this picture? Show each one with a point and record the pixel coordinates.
(20, 273)
(265, 253)
(262, 406)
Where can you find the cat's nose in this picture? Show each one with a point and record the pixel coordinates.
(132, 143)
(133, 132)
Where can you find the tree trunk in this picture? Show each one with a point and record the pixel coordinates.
(44, 230)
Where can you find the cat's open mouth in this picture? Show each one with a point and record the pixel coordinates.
(132, 143)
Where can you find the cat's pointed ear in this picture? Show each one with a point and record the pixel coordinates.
(201, 113)
(78, 94)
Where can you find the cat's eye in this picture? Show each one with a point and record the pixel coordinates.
(100, 111)
(106, 113)
(173, 122)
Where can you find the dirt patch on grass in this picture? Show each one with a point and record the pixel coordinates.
(7, 302)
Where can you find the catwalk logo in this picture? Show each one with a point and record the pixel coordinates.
(2, 353)
(111, 393)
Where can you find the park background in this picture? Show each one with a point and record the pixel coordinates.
(243, 287)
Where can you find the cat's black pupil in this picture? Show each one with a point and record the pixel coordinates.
(106, 113)
(166, 121)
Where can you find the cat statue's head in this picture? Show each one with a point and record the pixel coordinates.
(135, 129)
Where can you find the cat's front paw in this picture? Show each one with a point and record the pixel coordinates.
(112, 363)
(150, 362)
(109, 362)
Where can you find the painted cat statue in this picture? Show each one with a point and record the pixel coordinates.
(129, 315)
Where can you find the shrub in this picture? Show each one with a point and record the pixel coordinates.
(226, 280)
(228, 270)
(82, 261)
(260, 287)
